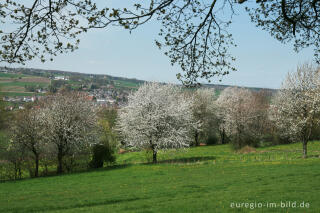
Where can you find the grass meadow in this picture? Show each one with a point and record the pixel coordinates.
(201, 179)
(126, 84)
(11, 75)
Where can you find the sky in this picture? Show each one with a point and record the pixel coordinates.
(261, 61)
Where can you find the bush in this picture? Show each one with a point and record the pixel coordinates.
(101, 153)
(10, 170)
(104, 152)
(7, 171)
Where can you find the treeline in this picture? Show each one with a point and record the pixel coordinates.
(64, 132)
(245, 118)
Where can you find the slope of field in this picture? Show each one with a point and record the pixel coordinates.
(119, 82)
(15, 84)
(202, 179)
(128, 84)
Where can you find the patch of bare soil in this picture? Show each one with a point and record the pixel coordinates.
(246, 150)
(122, 151)
(34, 79)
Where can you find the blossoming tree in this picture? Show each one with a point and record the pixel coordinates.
(70, 123)
(239, 116)
(26, 130)
(203, 111)
(296, 107)
(157, 117)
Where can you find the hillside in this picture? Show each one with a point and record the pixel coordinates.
(73, 76)
(202, 179)
(119, 82)
(16, 84)
(21, 85)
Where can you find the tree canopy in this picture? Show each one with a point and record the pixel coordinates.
(157, 117)
(296, 107)
(194, 33)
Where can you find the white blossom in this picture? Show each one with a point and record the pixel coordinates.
(203, 111)
(297, 104)
(27, 130)
(158, 117)
(70, 122)
(238, 115)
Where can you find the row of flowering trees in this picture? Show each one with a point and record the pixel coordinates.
(162, 116)
(293, 112)
(165, 116)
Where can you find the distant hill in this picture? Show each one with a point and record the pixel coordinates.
(118, 81)
(52, 73)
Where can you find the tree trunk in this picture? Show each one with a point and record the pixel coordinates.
(154, 156)
(36, 172)
(19, 172)
(15, 170)
(196, 138)
(59, 168)
(223, 136)
(304, 145)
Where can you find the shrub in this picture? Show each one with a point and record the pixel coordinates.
(101, 153)
(98, 156)
(104, 152)
(11, 170)
(7, 171)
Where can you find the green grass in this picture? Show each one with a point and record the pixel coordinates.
(11, 75)
(22, 84)
(202, 179)
(126, 84)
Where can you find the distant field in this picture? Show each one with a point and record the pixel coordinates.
(38, 80)
(12, 94)
(9, 75)
(14, 84)
(128, 84)
(202, 179)
(5, 84)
